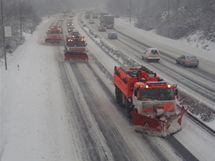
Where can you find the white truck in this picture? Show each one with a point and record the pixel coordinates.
(107, 21)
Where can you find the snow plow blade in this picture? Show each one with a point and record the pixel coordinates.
(162, 127)
(76, 54)
(83, 57)
(54, 39)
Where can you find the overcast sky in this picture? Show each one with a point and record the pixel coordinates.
(48, 6)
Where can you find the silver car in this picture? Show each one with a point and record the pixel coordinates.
(188, 61)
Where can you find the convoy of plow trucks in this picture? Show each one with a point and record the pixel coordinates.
(149, 100)
(74, 43)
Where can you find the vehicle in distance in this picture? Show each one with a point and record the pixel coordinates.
(112, 35)
(54, 35)
(107, 21)
(188, 61)
(75, 48)
(70, 29)
(151, 54)
(75, 33)
(87, 14)
(101, 28)
(69, 24)
(91, 22)
(95, 16)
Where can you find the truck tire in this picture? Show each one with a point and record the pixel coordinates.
(129, 108)
(118, 95)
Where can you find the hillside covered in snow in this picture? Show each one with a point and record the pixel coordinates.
(192, 20)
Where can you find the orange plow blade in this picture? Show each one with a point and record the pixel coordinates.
(56, 39)
(162, 127)
(83, 57)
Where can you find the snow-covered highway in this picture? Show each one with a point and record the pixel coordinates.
(198, 138)
(61, 111)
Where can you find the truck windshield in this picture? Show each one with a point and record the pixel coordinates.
(75, 34)
(154, 52)
(157, 94)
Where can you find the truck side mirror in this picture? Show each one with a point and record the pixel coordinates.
(176, 92)
(135, 92)
(138, 97)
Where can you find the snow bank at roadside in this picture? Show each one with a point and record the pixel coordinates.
(2, 137)
(2, 89)
(197, 40)
(33, 104)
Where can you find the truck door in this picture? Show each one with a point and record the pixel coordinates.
(135, 97)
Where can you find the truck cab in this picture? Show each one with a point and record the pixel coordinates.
(154, 98)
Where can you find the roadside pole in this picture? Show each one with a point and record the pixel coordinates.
(130, 11)
(20, 19)
(3, 35)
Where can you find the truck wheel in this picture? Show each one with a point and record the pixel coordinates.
(129, 108)
(118, 95)
(124, 101)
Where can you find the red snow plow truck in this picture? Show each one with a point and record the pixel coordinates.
(150, 101)
(54, 35)
(75, 48)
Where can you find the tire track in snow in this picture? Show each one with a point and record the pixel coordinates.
(89, 146)
(181, 150)
(115, 142)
